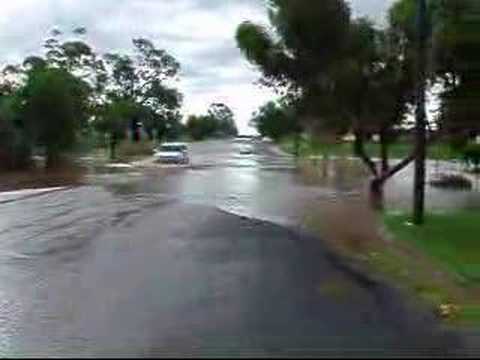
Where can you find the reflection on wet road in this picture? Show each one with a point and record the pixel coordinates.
(141, 262)
(221, 176)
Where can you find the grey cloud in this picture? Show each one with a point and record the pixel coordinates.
(217, 54)
(219, 4)
(220, 76)
(374, 9)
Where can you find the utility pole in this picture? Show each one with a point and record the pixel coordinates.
(421, 117)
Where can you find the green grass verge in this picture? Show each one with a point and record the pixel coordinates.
(452, 241)
(451, 238)
(401, 149)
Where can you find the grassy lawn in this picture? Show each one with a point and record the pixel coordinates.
(454, 239)
(451, 241)
(315, 147)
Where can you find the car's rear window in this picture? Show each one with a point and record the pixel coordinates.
(173, 148)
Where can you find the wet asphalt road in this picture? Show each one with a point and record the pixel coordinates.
(175, 261)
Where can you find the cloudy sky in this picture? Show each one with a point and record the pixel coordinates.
(198, 32)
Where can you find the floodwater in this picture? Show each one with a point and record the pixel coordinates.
(55, 242)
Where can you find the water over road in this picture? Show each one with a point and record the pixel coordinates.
(188, 261)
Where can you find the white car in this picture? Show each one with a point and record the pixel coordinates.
(246, 150)
(174, 153)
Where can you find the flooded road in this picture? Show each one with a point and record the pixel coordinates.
(220, 176)
(154, 261)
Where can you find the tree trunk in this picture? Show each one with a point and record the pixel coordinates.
(150, 134)
(135, 129)
(421, 119)
(53, 160)
(113, 145)
(325, 162)
(359, 150)
(377, 194)
(379, 179)
(384, 151)
(297, 145)
(136, 136)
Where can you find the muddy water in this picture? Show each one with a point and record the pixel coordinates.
(351, 175)
(49, 236)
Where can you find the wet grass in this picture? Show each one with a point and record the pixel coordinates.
(398, 150)
(451, 238)
(451, 241)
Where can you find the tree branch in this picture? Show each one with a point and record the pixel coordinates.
(145, 84)
(399, 167)
(361, 153)
(384, 151)
(404, 163)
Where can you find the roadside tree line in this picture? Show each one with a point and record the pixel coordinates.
(71, 91)
(217, 123)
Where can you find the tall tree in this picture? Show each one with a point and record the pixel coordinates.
(15, 143)
(381, 72)
(113, 121)
(71, 55)
(452, 28)
(70, 87)
(420, 116)
(200, 127)
(340, 72)
(54, 104)
(217, 123)
(305, 38)
(224, 118)
(456, 25)
(145, 78)
(274, 120)
(447, 43)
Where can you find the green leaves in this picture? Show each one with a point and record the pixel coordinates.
(456, 25)
(70, 87)
(14, 141)
(304, 39)
(34, 63)
(143, 78)
(274, 120)
(219, 122)
(255, 43)
(114, 117)
(54, 105)
(311, 30)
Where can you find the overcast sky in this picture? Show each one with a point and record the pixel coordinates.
(200, 33)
